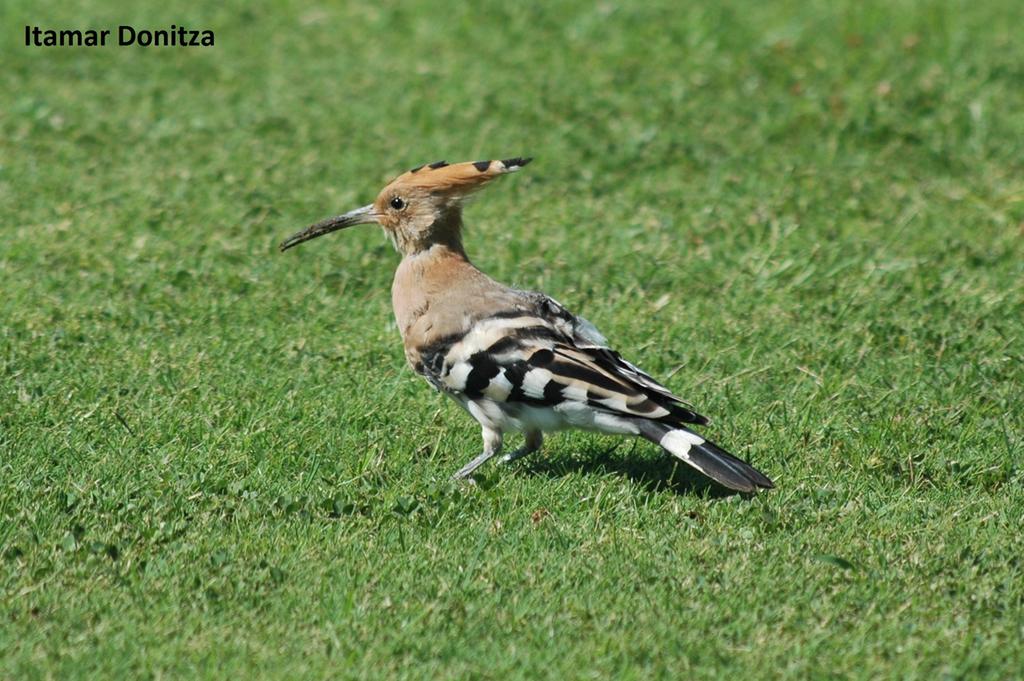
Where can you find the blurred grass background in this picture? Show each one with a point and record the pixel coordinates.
(808, 216)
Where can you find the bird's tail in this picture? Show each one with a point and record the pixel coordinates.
(705, 456)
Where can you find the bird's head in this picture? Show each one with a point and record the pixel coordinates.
(419, 208)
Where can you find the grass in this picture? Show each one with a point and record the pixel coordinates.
(808, 216)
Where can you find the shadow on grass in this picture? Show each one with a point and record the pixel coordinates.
(652, 472)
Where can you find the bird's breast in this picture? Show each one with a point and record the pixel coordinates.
(436, 295)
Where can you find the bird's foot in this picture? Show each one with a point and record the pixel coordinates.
(492, 447)
(518, 454)
(532, 444)
(467, 470)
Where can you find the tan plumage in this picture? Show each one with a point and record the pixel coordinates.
(515, 360)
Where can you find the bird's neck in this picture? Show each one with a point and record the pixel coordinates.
(426, 276)
(444, 231)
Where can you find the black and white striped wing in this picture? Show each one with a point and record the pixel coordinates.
(545, 360)
(586, 337)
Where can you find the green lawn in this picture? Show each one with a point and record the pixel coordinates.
(808, 218)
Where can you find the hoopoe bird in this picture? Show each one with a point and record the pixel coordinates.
(515, 360)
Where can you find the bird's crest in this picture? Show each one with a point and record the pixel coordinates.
(456, 178)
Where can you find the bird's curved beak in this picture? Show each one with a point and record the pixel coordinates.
(359, 216)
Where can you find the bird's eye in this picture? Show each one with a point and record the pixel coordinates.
(397, 203)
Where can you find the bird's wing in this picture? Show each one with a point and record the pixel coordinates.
(586, 337)
(540, 354)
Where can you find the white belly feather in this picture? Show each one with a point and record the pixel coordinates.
(505, 416)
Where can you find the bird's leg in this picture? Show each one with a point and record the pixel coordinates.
(492, 447)
(534, 439)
